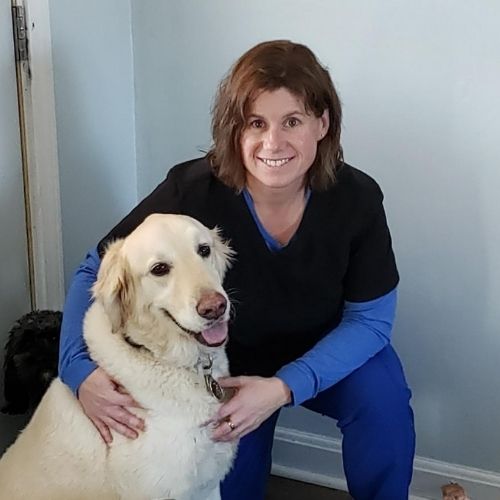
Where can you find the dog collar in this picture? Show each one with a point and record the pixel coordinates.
(134, 344)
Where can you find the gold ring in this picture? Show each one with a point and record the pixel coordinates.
(231, 425)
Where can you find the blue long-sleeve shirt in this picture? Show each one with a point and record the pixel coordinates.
(75, 364)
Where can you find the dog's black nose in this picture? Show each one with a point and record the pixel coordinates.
(212, 305)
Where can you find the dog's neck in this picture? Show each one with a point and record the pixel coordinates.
(203, 366)
(203, 363)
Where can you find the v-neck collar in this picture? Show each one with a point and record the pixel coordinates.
(272, 244)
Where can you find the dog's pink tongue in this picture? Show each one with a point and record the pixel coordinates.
(216, 334)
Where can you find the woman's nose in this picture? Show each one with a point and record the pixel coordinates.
(273, 138)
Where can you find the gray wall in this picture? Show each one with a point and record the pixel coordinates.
(419, 84)
(94, 93)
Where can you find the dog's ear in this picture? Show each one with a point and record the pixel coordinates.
(223, 253)
(114, 287)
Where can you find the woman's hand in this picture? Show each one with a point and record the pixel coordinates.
(104, 402)
(256, 399)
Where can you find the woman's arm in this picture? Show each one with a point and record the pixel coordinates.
(365, 330)
(75, 364)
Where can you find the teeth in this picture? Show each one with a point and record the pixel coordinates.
(275, 163)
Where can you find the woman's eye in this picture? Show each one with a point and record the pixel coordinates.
(257, 124)
(204, 251)
(160, 269)
(292, 122)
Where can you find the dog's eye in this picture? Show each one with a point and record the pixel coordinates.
(204, 250)
(160, 269)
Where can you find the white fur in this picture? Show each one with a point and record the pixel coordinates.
(61, 456)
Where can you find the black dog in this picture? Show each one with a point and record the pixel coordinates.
(31, 357)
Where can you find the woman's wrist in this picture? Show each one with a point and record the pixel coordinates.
(285, 394)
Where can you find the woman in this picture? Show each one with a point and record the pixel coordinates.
(314, 281)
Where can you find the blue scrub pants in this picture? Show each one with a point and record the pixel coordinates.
(372, 410)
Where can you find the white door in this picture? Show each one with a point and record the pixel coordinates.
(14, 276)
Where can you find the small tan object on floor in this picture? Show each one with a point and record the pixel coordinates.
(453, 491)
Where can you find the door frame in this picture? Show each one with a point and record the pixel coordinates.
(41, 159)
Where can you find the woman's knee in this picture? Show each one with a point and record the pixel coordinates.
(378, 388)
(377, 409)
(376, 392)
(372, 409)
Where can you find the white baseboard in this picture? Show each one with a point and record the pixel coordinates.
(317, 459)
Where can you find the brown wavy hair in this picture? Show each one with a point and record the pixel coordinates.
(270, 66)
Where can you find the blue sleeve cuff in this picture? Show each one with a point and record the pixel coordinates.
(80, 370)
(299, 380)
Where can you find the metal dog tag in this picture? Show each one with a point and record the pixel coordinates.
(213, 387)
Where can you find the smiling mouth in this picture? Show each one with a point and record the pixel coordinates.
(213, 336)
(275, 163)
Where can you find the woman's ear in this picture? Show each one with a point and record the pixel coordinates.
(324, 124)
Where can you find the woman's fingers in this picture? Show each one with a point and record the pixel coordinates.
(122, 399)
(232, 381)
(121, 421)
(120, 428)
(228, 430)
(124, 417)
(105, 403)
(256, 400)
(103, 430)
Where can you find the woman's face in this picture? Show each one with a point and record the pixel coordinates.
(280, 139)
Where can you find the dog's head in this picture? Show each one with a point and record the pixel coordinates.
(31, 359)
(164, 280)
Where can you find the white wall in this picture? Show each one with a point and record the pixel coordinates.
(94, 93)
(419, 83)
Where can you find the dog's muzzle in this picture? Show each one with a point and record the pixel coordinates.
(213, 336)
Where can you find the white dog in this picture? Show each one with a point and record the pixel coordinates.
(157, 326)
